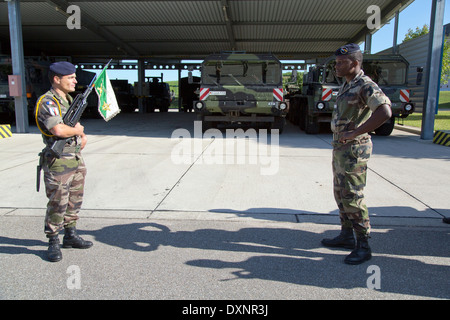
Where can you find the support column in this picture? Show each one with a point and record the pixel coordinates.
(433, 76)
(141, 80)
(179, 85)
(394, 44)
(18, 65)
(368, 43)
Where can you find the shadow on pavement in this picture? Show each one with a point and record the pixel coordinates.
(407, 257)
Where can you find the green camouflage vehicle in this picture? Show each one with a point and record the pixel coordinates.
(241, 88)
(321, 85)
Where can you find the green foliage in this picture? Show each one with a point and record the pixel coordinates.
(411, 34)
(287, 79)
(445, 72)
(441, 120)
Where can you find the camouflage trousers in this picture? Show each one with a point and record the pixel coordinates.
(64, 186)
(349, 179)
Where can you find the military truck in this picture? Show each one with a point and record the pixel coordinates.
(236, 87)
(315, 104)
(36, 81)
(156, 94)
(188, 93)
(125, 95)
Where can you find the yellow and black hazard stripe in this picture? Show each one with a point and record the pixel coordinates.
(5, 131)
(442, 138)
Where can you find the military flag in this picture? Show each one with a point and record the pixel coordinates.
(107, 102)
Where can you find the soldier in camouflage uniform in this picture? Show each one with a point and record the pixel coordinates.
(63, 177)
(361, 107)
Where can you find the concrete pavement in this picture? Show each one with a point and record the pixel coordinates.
(191, 218)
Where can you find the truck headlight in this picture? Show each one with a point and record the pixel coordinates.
(320, 106)
(283, 106)
(199, 105)
(408, 107)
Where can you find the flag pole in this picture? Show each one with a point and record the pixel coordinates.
(104, 70)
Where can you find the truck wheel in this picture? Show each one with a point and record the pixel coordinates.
(386, 128)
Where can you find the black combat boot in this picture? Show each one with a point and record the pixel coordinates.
(362, 251)
(72, 240)
(344, 240)
(54, 250)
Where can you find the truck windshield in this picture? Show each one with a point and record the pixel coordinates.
(241, 72)
(384, 73)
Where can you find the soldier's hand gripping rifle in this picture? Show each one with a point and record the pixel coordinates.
(73, 115)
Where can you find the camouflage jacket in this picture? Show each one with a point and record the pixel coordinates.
(50, 110)
(355, 103)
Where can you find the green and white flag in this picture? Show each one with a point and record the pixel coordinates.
(107, 103)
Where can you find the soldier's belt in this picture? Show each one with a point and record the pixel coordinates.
(70, 149)
(361, 139)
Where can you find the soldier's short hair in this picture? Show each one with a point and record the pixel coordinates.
(356, 56)
(51, 75)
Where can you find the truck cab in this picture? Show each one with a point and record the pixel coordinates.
(321, 85)
(241, 88)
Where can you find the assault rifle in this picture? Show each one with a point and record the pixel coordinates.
(73, 115)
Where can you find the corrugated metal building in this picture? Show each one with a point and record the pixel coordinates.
(190, 29)
(416, 52)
